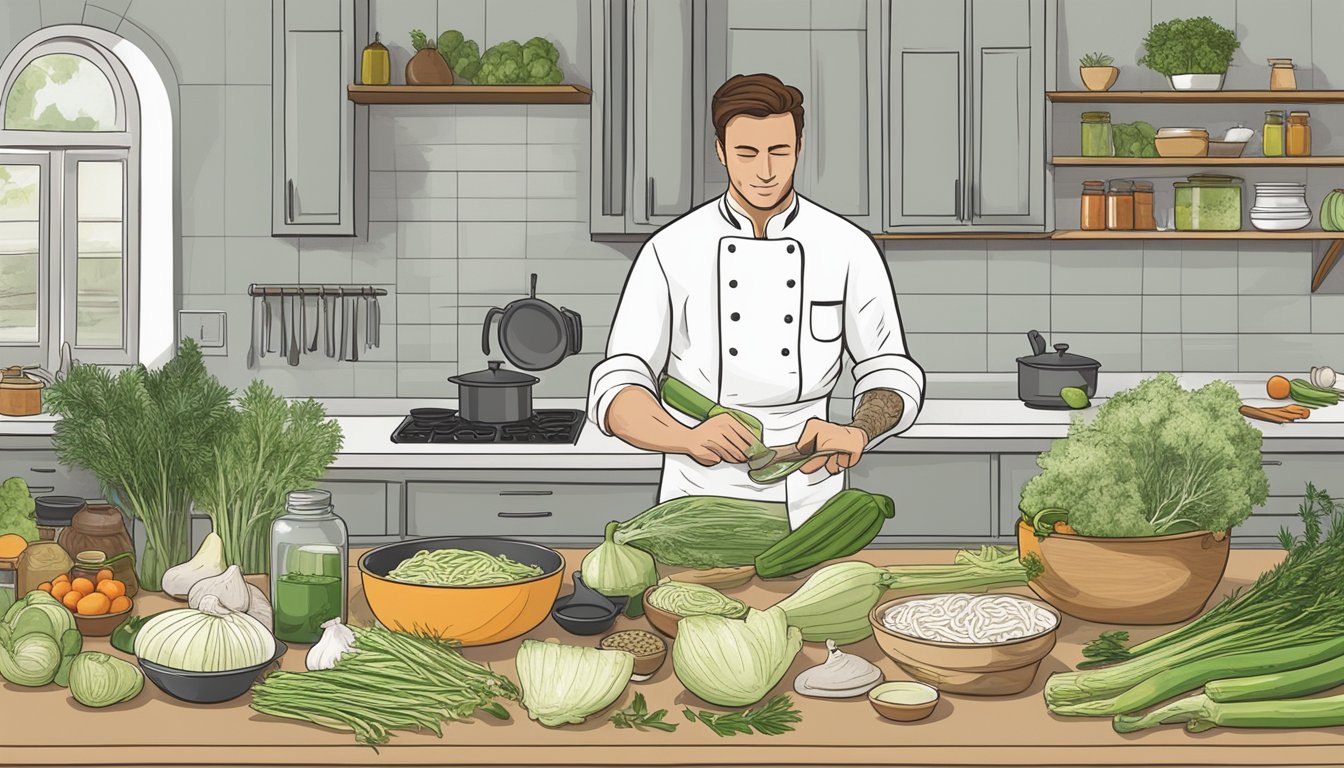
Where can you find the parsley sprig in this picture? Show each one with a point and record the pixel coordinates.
(774, 718)
(637, 715)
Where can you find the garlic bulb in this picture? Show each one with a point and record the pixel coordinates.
(336, 641)
(208, 561)
(229, 587)
(842, 675)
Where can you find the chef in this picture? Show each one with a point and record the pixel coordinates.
(751, 299)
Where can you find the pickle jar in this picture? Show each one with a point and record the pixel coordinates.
(309, 557)
(1097, 138)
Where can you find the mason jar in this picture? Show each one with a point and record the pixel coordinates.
(309, 557)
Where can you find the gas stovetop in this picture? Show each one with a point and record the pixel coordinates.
(442, 425)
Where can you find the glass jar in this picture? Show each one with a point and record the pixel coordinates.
(102, 528)
(1298, 141)
(87, 564)
(1097, 139)
(1282, 76)
(1120, 205)
(1208, 203)
(375, 64)
(1273, 133)
(308, 567)
(1092, 208)
(1143, 206)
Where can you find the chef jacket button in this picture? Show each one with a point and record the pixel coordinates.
(791, 283)
(790, 249)
(732, 351)
(788, 318)
(735, 317)
(784, 352)
(732, 283)
(732, 248)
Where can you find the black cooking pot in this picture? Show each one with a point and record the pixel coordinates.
(494, 395)
(1041, 375)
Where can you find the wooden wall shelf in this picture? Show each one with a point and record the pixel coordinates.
(1319, 161)
(962, 236)
(563, 93)
(1196, 97)
(1245, 234)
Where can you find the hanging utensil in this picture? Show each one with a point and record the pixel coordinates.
(317, 322)
(284, 328)
(266, 326)
(255, 332)
(354, 328)
(377, 322)
(328, 327)
(533, 334)
(294, 331)
(343, 321)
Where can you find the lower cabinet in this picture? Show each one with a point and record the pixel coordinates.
(46, 476)
(941, 498)
(1015, 469)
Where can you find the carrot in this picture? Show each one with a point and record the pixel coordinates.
(1063, 527)
(1278, 387)
(1300, 411)
(1263, 415)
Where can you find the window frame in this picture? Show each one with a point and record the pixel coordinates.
(37, 353)
(69, 264)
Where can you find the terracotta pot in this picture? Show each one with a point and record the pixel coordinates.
(1099, 78)
(427, 67)
(1145, 580)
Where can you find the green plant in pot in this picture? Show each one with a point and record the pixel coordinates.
(1194, 54)
(1098, 71)
(1132, 514)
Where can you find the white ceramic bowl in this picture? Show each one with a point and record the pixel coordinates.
(1196, 82)
(1279, 224)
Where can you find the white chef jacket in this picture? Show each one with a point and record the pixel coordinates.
(758, 325)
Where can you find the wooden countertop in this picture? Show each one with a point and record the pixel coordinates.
(47, 727)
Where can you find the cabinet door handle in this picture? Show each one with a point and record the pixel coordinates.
(956, 198)
(526, 493)
(522, 514)
(289, 200)
(1271, 463)
(43, 470)
(648, 201)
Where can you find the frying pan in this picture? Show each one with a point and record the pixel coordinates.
(533, 334)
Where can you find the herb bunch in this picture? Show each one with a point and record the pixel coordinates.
(776, 717)
(638, 716)
(1189, 47)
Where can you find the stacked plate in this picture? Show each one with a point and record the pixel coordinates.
(1280, 206)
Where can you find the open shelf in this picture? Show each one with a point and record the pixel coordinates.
(1197, 97)
(1319, 161)
(1171, 234)
(563, 93)
(962, 236)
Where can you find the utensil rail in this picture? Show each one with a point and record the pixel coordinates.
(314, 290)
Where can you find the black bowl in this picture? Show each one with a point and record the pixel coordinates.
(382, 560)
(207, 687)
(586, 620)
(57, 511)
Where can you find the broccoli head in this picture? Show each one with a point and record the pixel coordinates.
(16, 509)
(511, 62)
(539, 61)
(463, 55)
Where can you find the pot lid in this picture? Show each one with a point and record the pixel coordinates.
(1210, 180)
(1061, 357)
(17, 377)
(494, 376)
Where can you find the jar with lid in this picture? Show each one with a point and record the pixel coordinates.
(87, 564)
(1273, 133)
(1298, 141)
(102, 528)
(1282, 76)
(375, 63)
(20, 393)
(1143, 206)
(1092, 208)
(309, 553)
(1120, 205)
(1097, 138)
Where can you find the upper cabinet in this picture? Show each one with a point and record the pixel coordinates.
(317, 165)
(967, 115)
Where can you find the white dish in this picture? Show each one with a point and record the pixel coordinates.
(1279, 225)
(1238, 135)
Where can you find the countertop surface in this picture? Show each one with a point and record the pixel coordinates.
(46, 727)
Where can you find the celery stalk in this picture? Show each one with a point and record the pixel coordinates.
(1279, 685)
(1200, 713)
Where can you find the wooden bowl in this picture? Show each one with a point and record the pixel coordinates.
(645, 663)
(101, 625)
(718, 578)
(663, 621)
(1142, 580)
(977, 669)
(904, 713)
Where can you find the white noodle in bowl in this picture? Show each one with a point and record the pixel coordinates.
(969, 619)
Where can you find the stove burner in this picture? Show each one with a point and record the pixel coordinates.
(442, 425)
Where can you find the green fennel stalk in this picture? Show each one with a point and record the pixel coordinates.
(1279, 685)
(1200, 713)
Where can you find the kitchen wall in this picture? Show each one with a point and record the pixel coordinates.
(467, 201)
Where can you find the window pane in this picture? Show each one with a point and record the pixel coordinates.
(19, 187)
(99, 299)
(61, 92)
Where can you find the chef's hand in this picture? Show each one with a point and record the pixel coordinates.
(719, 438)
(824, 436)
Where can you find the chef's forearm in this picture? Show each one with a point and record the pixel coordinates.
(636, 417)
(879, 411)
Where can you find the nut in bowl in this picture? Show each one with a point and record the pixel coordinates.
(981, 645)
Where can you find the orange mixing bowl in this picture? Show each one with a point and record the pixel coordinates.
(477, 615)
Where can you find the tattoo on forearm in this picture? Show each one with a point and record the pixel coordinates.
(879, 411)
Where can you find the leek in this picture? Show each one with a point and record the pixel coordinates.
(1200, 713)
(1279, 685)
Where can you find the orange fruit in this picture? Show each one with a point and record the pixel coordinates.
(112, 588)
(63, 577)
(119, 604)
(71, 600)
(82, 585)
(12, 545)
(59, 589)
(45, 586)
(103, 575)
(93, 605)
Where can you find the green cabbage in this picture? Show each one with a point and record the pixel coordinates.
(38, 612)
(31, 660)
(99, 680)
(686, 599)
(567, 683)
(734, 662)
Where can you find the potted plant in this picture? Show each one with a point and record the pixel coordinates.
(1097, 71)
(1132, 516)
(1194, 54)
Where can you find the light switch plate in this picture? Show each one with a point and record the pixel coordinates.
(208, 328)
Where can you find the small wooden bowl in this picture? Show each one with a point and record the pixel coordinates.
(102, 625)
(904, 713)
(718, 578)
(645, 664)
(663, 621)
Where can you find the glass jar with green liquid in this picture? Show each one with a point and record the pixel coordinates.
(309, 557)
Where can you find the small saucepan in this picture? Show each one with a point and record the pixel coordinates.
(495, 395)
(1041, 375)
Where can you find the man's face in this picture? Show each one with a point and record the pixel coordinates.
(760, 154)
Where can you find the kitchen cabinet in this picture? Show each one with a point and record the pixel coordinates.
(966, 116)
(940, 498)
(47, 476)
(318, 145)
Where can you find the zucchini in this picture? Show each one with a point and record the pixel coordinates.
(681, 397)
(844, 525)
(706, 531)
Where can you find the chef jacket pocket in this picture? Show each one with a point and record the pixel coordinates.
(827, 320)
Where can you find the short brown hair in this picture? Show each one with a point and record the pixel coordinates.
(758, 95)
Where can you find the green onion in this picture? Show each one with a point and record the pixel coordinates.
(1279, 685)
(1200, 713)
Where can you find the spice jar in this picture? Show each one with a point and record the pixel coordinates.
(1282, 76)
(308, 567)
(1273, 133)
(1097, 139)
(87, 564)
(102, 528)
(375, 64)
(39, 563)
(1120, 205)
(1092, 209)
(1143, 206)
(20, 395)
(1298, 141)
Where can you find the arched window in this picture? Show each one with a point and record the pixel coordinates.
(69, 192)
